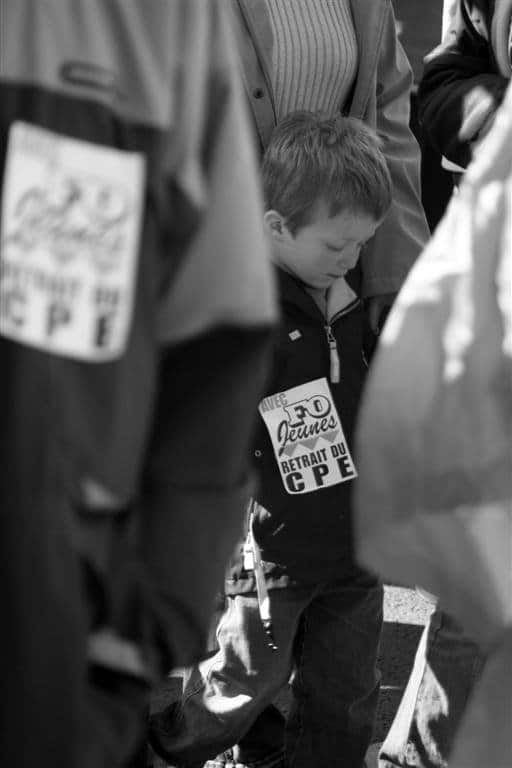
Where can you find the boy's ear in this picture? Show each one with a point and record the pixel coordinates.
(275, 225)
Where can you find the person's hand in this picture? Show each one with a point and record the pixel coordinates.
(478, 116)
(482, 133)
(377, 308)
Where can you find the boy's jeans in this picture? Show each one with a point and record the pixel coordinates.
(329, 635)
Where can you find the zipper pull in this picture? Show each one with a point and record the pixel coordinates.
(248, 543)
(248, 554)
(333, 354)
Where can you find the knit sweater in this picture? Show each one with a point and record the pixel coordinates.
(315, 54)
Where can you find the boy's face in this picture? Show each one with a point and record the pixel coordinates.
(325, 249)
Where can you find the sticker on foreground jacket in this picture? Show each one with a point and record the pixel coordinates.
(307, 437)
(69, 240)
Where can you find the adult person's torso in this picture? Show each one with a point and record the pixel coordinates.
(256, 43)
(314, 56)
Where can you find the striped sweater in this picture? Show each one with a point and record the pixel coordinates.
(315, 55)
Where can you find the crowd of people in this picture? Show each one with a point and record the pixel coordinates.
(243, 384)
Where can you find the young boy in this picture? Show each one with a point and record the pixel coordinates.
(327, 189)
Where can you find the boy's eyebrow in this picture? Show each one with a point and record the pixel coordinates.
(345, 241)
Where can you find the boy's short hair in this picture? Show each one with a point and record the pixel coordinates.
(313, 158)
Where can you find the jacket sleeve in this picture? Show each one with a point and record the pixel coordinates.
(215, 329)
(460, 89)
(401, 237)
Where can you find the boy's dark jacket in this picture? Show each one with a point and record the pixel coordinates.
(306, 537)
(465, 77)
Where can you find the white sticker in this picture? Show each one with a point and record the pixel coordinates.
(69, 240)
(307, 437)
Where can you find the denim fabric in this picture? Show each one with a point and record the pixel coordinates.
(328, 637)
(445, 670)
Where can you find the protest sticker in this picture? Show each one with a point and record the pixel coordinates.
(307, 437)
(69, 242)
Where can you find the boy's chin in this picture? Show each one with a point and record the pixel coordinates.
(328, 280)
(318, 285)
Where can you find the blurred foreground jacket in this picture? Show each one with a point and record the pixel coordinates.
(136, 303)
(435, 438)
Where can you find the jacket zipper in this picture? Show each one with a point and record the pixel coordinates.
(344, 311)
(334, 357)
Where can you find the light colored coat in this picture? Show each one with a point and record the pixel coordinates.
(381, 98)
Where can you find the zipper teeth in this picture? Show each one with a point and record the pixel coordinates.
(345, 311)
(330, 335)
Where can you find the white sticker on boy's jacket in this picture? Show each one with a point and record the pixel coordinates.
(307, 437)
(69, 240)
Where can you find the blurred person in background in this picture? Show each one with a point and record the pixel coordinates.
(465, 78)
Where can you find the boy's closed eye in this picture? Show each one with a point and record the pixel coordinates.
(337, 248)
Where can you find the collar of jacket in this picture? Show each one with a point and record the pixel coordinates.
(254, 33)
(292, 291)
